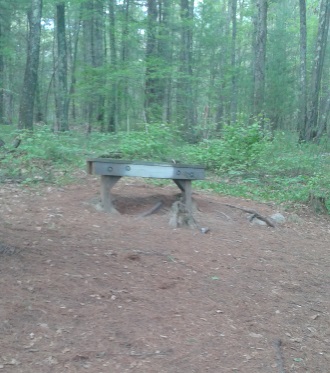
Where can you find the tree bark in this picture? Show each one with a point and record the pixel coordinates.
(165, 51)
(2, 63)
(186, 105)
(5, 35)
(260, 57)
(73, 53)
(152, 104)
(302, 118)
(112, 120)
(233, 104)
(61, 91)
(124, 95)
(321, 44)
(93, 32)
(98, 61)
(31, 67)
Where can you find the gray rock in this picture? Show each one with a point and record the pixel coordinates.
(278, 218)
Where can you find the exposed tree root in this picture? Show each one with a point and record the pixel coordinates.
(254, 215)
(152, 210)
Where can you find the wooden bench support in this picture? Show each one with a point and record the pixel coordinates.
(185, 186)
(107, 183)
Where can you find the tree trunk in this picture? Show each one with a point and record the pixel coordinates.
(165, 51)
(73, 59)
(2, 77)
(31, 67)
(321, 44)
(186, 105)
(93, 32)
(233, 105)
(39, 112)
(2, 64)
(260, 57)
(302, 118)
(152, 104)
(5, 94)
(124, 95)
(223, 110)
(98, 61)
(61, 79)
(323, 119)
(112, 121)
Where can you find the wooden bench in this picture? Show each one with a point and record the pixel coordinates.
(111, 170)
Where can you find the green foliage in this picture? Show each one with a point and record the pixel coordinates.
(243, 162)
(242, 145)
(42, 156)
(156, 142)
(46, 156)
(285, 171)
(237, 150)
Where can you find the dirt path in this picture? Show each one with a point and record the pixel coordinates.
(83, 291)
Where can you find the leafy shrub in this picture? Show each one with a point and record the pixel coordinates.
(156, 143)
(238, 149)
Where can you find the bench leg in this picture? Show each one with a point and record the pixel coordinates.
(185, 186)
(107, 182)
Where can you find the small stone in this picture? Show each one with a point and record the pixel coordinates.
(278, 218)
(255, 335)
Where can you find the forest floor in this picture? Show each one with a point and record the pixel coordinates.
(86, 291)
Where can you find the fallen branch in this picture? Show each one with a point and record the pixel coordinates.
(255, 214)
(153, 209)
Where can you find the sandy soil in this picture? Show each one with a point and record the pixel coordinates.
(86, 291)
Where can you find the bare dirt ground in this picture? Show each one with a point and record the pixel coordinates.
(85, 291)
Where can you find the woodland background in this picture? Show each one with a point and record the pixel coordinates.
(119, 64)
(238, 85)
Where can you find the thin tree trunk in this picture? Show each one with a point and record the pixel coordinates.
(2, 80)
(31, 67)
(321, 44)
(61, 79)
(323, 119)
(124, 107)
(260, 57)
(302, 118)
(39, 114)
(186, 105)
(5, 94)
(222, 111)
(2, 65)
(165, 51)
(112, 121)
(233, 106)
(74, 53)
(151, 104)
(87, 26)
(98, 60)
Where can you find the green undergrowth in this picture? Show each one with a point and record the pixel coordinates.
(245, 161)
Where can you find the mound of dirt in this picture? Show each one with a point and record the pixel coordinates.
(86, 291)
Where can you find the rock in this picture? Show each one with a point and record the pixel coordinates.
(258, 221)
(294, 218)
(278, 218)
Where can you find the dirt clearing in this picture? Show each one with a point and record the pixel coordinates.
(85, 291)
